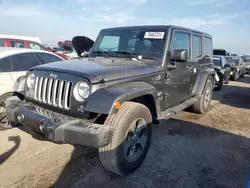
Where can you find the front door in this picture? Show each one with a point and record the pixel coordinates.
(176, 78)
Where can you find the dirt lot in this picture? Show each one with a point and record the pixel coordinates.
(187, 151)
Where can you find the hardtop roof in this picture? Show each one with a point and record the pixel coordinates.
(166, 27)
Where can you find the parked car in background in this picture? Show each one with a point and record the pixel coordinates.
(246, 60)
(64, 49)
(237, 67)
(24, 42)
(52, 48)
(14, 63)
(223, 70)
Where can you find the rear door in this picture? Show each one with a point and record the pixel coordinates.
(21, 63)
(193, 65)
(6, 81)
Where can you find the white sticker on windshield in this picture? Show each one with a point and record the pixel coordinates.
(154, 35)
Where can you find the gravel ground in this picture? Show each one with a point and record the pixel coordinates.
(188, 151)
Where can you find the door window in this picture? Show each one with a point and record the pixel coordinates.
(33, 45)
(47, 58)
(196, 46)
(5, 65)
(17, 44)
(24, 62)
(208, 47)
(180, 41)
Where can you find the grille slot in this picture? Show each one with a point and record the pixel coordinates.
(54, 92)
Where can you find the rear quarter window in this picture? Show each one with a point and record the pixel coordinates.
(47, 58)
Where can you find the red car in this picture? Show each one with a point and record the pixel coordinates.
(23, 43)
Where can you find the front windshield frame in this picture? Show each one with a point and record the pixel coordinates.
(128, 33)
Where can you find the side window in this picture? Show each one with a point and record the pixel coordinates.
(35, 46)
(1, 43)
(196, 46)
(24, 62)
(17, 44)
(180, 41)
(207, 47)
(110, 43)
(47, 58)
(5, 65)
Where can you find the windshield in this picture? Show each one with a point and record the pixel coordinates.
(131, 42)
(228, 58)
(235, 60)
(246, 59)
(217, 61)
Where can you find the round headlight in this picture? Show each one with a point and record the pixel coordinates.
(31, 81)
(81, 91)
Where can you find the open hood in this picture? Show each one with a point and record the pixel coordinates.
(82, 44)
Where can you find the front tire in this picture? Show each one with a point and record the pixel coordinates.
(4, 122)
(131, 139)
(203, 104)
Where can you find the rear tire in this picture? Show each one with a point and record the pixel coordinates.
(4, 122)
(127, 139)
(203, 104)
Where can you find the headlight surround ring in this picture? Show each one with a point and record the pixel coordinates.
(31, 80)
(81, 91)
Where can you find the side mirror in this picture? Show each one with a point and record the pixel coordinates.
(179, 55)
(227, 65)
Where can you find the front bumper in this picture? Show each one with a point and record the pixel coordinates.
(57, 127)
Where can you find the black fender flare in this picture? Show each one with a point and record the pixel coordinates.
(202, 80)
(102, 101)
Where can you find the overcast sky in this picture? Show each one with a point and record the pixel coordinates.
(53, 20)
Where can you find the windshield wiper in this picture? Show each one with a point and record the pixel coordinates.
(101, 52)
(134, 55)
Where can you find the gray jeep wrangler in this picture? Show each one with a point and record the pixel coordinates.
(131, 78)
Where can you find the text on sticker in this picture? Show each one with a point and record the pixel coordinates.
(154, 35)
